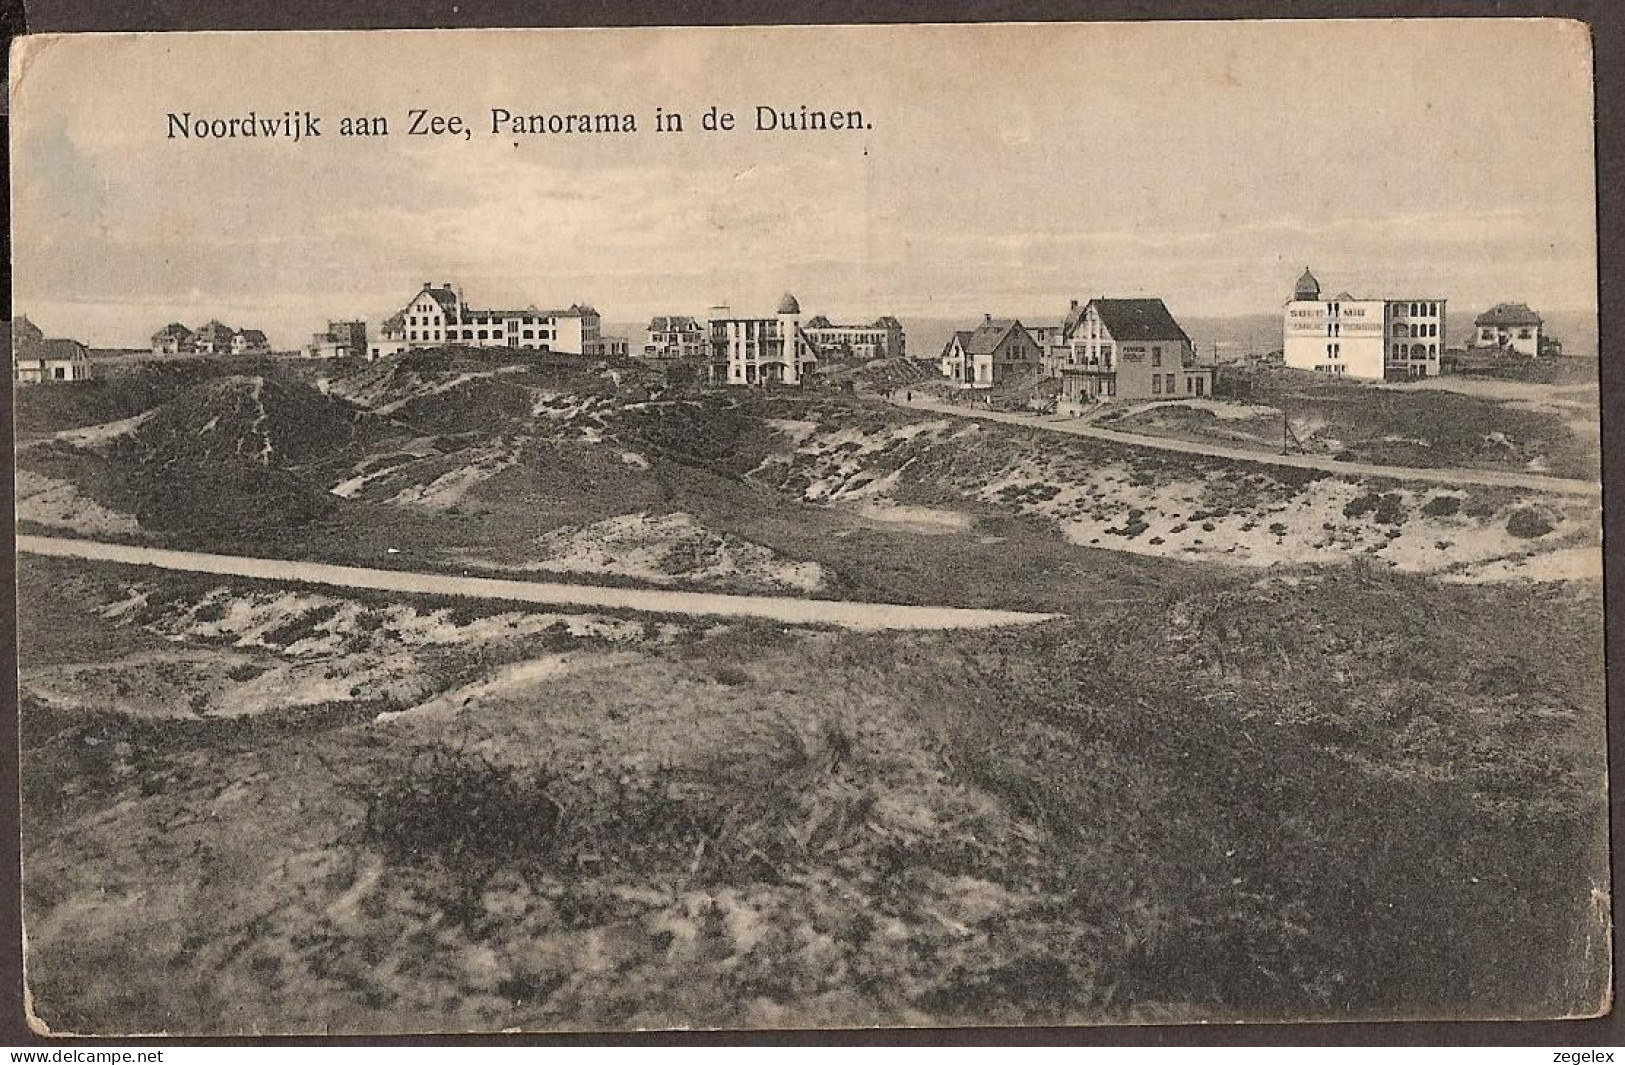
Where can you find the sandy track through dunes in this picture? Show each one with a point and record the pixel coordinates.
(847, 615)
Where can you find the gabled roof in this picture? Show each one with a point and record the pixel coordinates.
(575, 310)
(25, 332)
(252, 336)
(961, 335)
(1138, 319)
(989, 335)
(1508, 314)
(443, 296)
(213, 327)
(818, 321)
(1074, 315)
(394, 322)
(58, 348)
(173, 329)
(676, 323)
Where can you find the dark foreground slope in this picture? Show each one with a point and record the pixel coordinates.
(1351, 796)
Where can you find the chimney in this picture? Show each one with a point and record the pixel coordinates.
(987, 319)
(1074, 305)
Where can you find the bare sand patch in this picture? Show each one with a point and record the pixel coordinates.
(666, 549)
(513, 679)
(928, 521)
(453, 486)
(48, 501)
(1564, 564)
(106, 432)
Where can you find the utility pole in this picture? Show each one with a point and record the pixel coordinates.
(1288, 437)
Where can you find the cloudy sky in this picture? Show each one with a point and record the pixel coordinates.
(1007, 169)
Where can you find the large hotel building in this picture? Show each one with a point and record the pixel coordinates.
(438, 315)
(1377, 339)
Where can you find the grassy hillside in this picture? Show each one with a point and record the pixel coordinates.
(442, 461)
(116, 392)
(1535, 430)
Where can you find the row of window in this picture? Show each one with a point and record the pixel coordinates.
(1431, 329)
(1420, 308)
(512, 342)
(477, 334)
(1415, 351)
(487, 320)
(1168, 384)
(1335, 351)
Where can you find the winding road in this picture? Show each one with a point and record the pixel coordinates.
(1433, 475)
(839, 613)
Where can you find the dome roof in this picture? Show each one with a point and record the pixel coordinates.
(788, 305)
(1307, 287)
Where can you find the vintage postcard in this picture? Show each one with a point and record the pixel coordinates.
(809, 527)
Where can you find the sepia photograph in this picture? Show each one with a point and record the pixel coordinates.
(760, 528)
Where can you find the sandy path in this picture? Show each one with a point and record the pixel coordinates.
(848, 615)
(1454, 476)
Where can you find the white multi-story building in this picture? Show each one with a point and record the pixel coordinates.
(757, 351)
(1375, 339)
(438, 316)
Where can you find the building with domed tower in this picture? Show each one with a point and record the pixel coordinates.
(1374, 338)
(761, 350)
